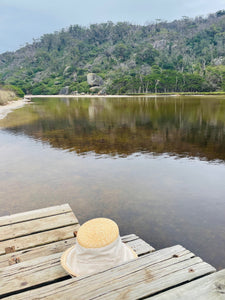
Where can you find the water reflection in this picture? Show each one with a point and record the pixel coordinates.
(184, 126)
(163, 198)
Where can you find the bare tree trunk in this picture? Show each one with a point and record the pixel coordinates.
(156, 83)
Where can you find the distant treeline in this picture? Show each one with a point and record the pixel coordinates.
(164, 81)
(183, 55)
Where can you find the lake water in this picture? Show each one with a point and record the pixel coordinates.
(154, 165)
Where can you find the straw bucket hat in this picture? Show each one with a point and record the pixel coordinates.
(97, 248)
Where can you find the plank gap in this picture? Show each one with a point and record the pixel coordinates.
(38, 218)
(40, 239)
(156, 293)
(184, 268)
(36, 232)
(175, 286)
(145, 253)
(35, 286)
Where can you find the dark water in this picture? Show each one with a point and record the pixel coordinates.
(154, 165)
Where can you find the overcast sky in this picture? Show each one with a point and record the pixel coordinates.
(23, 20)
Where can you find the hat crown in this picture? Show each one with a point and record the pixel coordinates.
(97, 233)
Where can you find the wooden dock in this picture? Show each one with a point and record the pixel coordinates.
(31, 245)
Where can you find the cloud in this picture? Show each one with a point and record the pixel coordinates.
(21, 21)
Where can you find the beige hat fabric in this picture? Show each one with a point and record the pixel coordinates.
(98, 247)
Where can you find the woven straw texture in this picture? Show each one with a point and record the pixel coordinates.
(97, 233)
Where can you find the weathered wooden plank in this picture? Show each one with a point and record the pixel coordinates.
(21, 272)
(129, 237)
(138, 245)
(32, 253)
(34, 214)
(110, 283)
(211, 287)
(152, 283)
(38, 239)
(37, 225)
(30, 273)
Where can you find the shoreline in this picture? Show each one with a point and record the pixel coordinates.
(15, 104)
(12, 105)
(29, 97)
(76, 96)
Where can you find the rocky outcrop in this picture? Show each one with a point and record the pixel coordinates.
(74, 76)
(98, 89)
(159, 44)
(95, 89)
(64, 91)
(218, 61)
(102, 92)
(94, 80)
(39, 76)
(66, 71)
(74, 93)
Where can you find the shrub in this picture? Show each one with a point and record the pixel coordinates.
(14, 89)
(6, 96)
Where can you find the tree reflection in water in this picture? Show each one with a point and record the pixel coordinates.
(163, 199)
(182, 126)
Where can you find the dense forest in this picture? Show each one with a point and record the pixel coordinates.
(186, 55)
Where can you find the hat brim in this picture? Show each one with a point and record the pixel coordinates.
(67, 268)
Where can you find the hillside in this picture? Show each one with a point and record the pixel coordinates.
(183, 55)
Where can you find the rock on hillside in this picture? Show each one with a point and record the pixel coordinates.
(94, 80)
(64, 91)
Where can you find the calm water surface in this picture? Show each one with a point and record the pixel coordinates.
(154, 165)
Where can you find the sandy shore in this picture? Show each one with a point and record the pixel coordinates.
(76, 96)
(6, 109)
(29, 97)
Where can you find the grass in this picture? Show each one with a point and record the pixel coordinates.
(6, 96)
